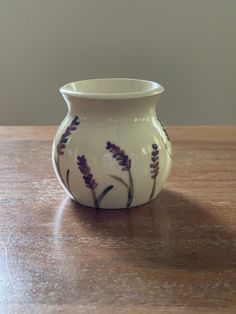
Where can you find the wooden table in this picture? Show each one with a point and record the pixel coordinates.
(175, 255)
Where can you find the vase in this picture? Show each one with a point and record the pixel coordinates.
(112, 150)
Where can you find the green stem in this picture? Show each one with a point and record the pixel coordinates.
(68, 179)
(58, 169)
(131, 190)
(101, 196)
(153, 189)
(94, 198)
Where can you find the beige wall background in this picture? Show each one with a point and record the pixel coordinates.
(188, 46)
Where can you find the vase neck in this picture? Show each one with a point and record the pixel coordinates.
(100, 109)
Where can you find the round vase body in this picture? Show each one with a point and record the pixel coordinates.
(112, 150)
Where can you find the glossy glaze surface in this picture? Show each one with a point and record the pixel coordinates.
(120, 175)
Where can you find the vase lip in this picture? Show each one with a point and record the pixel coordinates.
(112, 88)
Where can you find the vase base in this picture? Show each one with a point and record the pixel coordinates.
(111, 208)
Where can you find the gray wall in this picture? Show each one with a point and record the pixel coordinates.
(188, 46)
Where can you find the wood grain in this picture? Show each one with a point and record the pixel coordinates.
(174, 255)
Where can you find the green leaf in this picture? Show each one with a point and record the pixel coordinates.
(120, 180)
(100, 197)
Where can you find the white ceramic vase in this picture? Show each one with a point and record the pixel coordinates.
(112, 150)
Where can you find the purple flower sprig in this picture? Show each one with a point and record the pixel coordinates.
(155, 161)
(86, 172)
(155, 168)
(65, 136)
(124, 161)
(164, 129)
(120, 156)
(61, 149)
(90, 181)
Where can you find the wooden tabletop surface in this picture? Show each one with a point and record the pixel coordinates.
(174, 255)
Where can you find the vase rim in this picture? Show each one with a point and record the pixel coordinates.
(112, 88)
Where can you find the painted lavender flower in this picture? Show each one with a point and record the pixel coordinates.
(90, 181)
(164, 129)
(125, 163)
(65, 136)
(62, 145)
(154, 168)
(87, 175)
